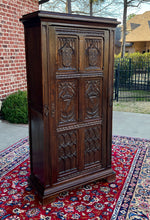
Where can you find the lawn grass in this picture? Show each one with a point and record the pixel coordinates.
(136, 107)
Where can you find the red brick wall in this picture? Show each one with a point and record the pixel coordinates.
(12, 48)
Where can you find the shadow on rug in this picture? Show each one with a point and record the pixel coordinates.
(126, 198)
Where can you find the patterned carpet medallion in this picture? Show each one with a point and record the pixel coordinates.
(126, 198)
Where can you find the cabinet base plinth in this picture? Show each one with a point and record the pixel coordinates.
(111, 178)
(49, 194)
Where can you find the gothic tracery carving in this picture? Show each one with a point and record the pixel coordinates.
(66, 52)
(92, 145)
(67, 150)
(93, 53)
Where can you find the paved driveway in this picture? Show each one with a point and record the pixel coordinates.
(124, 123)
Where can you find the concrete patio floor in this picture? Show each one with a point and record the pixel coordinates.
(124, 124)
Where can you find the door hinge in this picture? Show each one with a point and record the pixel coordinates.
(53, 110)
(46, 110)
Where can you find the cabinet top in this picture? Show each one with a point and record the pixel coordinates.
(65, 18)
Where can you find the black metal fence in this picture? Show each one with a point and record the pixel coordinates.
(131, 80)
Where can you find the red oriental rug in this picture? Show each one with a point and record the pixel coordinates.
(126, 198)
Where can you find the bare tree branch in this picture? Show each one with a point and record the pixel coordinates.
(104, 7)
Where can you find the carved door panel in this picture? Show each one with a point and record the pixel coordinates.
(93, 53)
(67, 54)
(67, 101)
(92, 146)
(79, 100)
(93, 98)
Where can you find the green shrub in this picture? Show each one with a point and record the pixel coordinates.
(15, 108)
(130, 63)
(125, 68)
(136, 57)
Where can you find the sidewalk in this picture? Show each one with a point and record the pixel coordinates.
(124, 124)
(131, 124)
(11, 133)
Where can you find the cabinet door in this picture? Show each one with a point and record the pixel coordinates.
(93, 115)
(67, 104)
(93, 102)
(78, 83)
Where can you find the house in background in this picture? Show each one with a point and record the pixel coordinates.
(117, 40)
(137, 36)
(138, 33)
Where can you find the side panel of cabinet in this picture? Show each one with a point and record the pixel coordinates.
(110, 96)
(51, 87)
(34, 67)
(105, 136)
(46, 104)
(35, 100)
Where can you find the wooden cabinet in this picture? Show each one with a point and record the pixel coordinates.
(70, 77)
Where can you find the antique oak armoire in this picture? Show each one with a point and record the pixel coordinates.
(70, 77)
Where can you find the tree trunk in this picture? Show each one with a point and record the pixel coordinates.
(91, 8)
(68, 7)
(124, 29)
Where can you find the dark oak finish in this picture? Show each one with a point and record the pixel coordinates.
(69, 72)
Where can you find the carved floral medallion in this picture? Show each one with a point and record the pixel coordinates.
(92, 98)
(66, 102)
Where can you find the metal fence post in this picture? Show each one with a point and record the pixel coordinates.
(148, 78)
(117, 83)
(129, 73)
